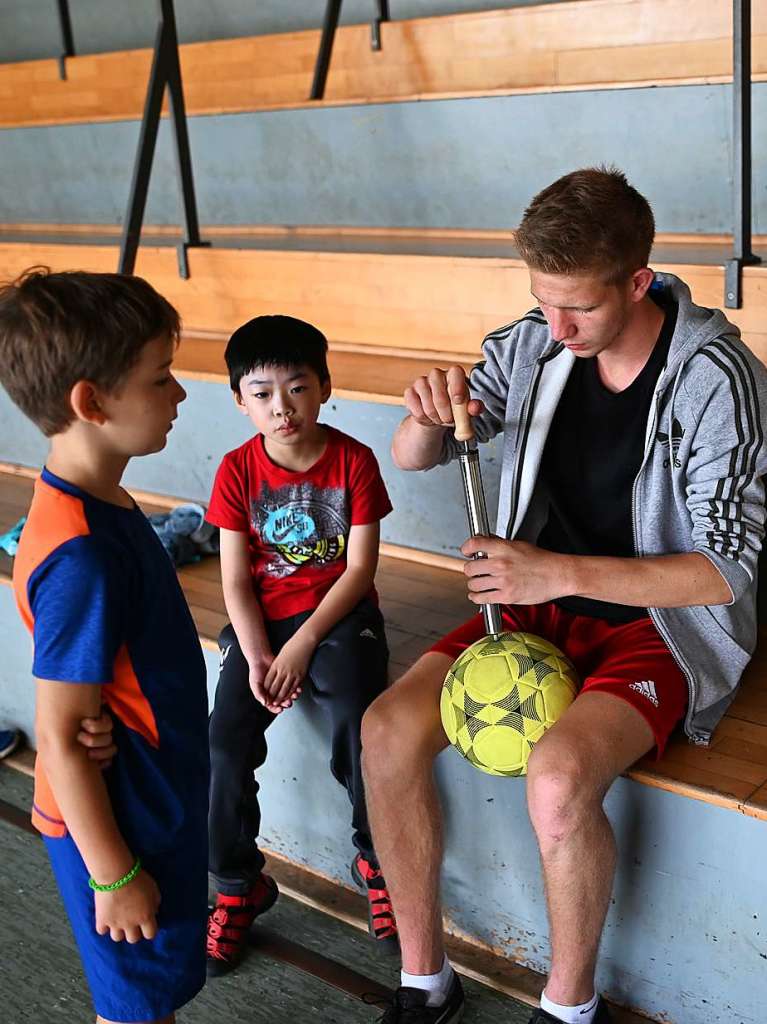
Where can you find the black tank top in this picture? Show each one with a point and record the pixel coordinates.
(592, 456)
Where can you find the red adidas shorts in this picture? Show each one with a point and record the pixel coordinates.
(629, 659)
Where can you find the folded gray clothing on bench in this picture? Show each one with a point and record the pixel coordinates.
(184, 533)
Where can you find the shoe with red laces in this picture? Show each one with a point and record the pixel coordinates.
(229, 922)
(381, 923)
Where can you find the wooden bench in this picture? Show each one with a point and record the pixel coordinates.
(444, 290)
(547, 47)
(422, 602)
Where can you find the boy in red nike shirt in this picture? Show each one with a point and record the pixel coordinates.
(299, 507)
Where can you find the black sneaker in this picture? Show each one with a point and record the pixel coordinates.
(602, 1015)
(409, 1006)
(381, 923)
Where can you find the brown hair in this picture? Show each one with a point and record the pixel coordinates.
(589, 221)
(57, 329)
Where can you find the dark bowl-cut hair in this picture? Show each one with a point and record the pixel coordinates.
(281, 341)
(59, 328)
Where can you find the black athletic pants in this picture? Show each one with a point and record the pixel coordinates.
(347, 672)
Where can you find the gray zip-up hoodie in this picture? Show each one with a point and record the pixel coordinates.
(699, 487)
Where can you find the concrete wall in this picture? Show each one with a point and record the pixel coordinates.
(466, 163)
(454, 163)
(686, 937)
(428, 508)
(31, 32)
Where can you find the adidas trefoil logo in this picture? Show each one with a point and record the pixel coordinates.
(369, 633)
(647, 689)
(671, 444)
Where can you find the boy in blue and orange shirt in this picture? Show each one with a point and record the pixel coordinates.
(87, 358)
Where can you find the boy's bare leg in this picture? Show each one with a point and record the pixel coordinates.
(401, 735)
(569, 773)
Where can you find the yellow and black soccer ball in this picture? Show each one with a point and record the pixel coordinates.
(501, 695)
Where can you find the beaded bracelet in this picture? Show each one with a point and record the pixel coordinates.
(120, 881)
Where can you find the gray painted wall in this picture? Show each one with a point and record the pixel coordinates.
(685, 936)
(453, 163)
(428, 507)
(29, 30)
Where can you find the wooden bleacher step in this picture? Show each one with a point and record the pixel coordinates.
(547, 47)
(389, 295)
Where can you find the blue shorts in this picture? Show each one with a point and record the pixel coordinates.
(153, 978)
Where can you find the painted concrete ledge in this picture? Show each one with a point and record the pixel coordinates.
(429, 508)
(464, 163)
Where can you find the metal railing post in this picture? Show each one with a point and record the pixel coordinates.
(743, 254)
(67, 39)
(181, 139)
(375, 28)
(329, 26)
(166, 71)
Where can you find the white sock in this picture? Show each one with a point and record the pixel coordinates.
(436, 985)
(583, 1014)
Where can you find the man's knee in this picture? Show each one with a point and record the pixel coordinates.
(404, 725)
(561, 791)
(384, 726)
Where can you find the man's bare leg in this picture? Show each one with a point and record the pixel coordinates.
(401, 736)
(569, 773)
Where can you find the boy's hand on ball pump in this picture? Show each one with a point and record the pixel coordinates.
(428, 397)
(514, 572)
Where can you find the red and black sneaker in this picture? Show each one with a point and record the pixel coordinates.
(229, 922)
(381, 923)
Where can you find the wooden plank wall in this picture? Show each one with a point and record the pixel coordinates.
(556, 46)
(399, 303)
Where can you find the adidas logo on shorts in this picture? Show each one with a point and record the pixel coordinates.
(647, 689)
(369, 634)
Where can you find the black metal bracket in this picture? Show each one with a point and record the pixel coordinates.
(375, 27)
(166, 71)
(67, 39)
(733, 279)
(329, 26)
(743, 254)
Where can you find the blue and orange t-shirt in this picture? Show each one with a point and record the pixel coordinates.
(99, 594)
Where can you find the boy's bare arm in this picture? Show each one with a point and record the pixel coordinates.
(244, 610)
(80, 791)
(291, 664)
